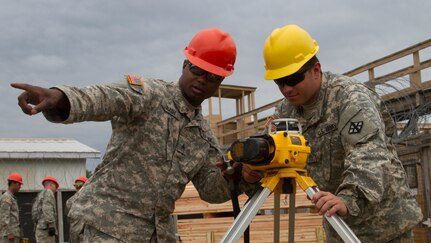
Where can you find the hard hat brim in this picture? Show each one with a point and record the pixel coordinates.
(206, 65)
(20, 182)
(56, 183)
(290, 69)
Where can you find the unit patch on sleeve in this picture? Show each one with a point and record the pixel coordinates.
(355, 127)
(134, 80)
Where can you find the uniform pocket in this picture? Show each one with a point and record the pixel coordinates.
(325, 161)
(318, 163)
(192, 149)
(172, 129)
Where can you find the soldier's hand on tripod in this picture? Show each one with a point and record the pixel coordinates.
(251, 176)
(229, 169)
(326, 202)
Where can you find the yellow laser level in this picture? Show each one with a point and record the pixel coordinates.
(281, 154)
(282, 147)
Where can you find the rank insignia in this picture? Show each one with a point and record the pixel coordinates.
(134, 80)
(355, 127)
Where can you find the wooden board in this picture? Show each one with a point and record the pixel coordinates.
(308, 228)
(190, 203)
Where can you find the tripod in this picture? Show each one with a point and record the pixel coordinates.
(278, 181)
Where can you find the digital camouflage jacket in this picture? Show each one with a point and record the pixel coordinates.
(9, 215)
(352, 157)
(159, 143)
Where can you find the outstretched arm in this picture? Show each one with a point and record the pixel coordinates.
(35, 99)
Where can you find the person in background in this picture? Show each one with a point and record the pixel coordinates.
(44, 211)
(349, 130)
(160, 142)
(75, 226)
(10, 229)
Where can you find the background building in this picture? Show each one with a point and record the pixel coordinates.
(35, 158)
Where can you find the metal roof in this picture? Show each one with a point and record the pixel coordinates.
(45, 148)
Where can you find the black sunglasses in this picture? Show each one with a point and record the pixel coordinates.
(213, 78)
(293, 79)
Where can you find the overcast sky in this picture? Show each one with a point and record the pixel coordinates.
(49, 42)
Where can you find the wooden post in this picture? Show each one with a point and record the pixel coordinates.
(426, 170)
(249, 103)
(210, 107)
(253, 103)
(210, 237)
(242, 102)
(371, 78)
(220, 128)
(415, 78)
(320, 235)
(238, 105)
(60, 214)
(219, 104)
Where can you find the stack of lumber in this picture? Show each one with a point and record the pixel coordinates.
(207, 223)
(307, 229)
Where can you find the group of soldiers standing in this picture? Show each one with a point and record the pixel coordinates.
(43, 212)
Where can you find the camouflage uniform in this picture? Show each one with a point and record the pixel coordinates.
(159, 143)
(93, 235)
(75, 226)
(352, 156)
(9, 217)
(45, 216)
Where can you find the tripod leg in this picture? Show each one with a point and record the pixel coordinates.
(292, 211)
(276, 217)
(310, 188)
(336, 222)
(245, 217)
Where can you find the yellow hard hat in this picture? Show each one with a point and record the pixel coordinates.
(286, 50)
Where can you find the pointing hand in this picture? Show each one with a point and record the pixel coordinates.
(35, 99)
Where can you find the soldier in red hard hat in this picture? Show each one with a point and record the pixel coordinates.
(75, 229)
(79, 179)
(160, 142)
(15, 177)
(50, 179)
(10, 230)
(44, 211)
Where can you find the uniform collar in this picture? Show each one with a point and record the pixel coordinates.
(11, 194)
(319, 106)
(184, 106)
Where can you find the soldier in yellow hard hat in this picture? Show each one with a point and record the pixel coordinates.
(349, 131)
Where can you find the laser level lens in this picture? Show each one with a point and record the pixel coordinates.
(238, 149)
(254, 151)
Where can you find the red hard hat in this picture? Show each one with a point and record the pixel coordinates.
(50, 178)
(15, 177)
(212, 50)
(81, 178)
